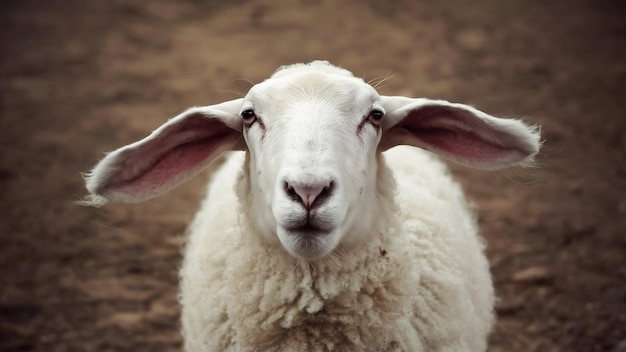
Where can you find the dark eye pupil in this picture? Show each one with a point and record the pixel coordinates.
(376, 114)
(248, 114)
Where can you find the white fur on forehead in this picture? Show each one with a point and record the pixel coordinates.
(319, 66)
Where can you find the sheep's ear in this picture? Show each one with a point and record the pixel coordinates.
(458, 132)
(170, 155)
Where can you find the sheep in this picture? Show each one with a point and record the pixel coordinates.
(332, 224)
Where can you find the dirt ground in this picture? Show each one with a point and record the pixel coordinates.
(78, 78)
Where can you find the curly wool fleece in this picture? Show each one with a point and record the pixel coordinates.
(416, 283)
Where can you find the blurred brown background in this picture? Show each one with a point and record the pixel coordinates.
(79, 78)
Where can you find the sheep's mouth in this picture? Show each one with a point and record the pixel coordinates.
(309, 227)
(308, 230)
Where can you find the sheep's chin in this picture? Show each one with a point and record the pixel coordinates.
(308, 243)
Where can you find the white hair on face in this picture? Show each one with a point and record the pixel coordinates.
(319, 66)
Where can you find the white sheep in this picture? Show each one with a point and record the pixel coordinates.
(313, 239)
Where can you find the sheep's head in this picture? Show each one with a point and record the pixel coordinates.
(312, 136)
(313, 133)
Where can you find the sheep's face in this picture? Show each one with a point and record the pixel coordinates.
(312, 139)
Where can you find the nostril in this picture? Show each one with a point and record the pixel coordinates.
(291, 192)
(325, 193)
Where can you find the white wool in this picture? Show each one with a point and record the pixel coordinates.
(416, 283)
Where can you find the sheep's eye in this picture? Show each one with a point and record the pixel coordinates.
(375, 116)
(248, 116)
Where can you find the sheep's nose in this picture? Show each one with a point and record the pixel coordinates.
(309, 195)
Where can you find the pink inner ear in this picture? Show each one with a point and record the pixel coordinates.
(171, 155)
(464, 145)
(458, 134)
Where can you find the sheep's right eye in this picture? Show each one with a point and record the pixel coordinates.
(248, 117)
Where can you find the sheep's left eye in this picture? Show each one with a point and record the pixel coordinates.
(376, 116)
